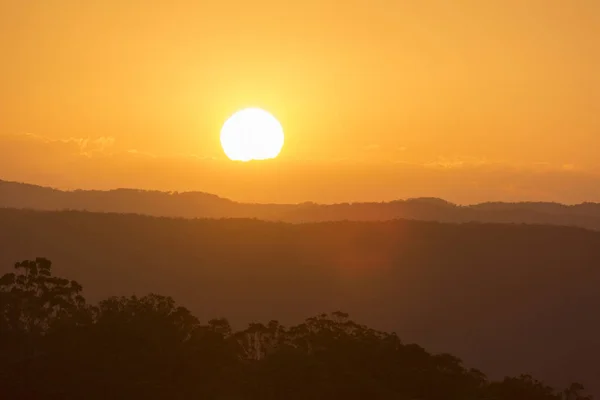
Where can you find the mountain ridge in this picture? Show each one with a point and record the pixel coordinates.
(197, 204)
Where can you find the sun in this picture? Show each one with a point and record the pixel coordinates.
(251, 134)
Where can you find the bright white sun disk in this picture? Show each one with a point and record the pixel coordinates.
(252, 134)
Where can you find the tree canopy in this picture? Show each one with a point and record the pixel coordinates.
(54, 345)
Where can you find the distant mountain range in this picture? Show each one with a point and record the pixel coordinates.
(204, 205)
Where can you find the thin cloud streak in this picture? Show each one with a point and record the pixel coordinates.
(99, 163)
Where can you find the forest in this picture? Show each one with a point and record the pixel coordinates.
(55, 345)
(507, 299)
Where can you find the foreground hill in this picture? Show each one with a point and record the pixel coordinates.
(203, 205)
(56, 345)
(508, 299)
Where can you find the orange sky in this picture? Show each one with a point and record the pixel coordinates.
(379, 99)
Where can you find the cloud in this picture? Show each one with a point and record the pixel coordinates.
(472, 163)
(98, 163)
(137, 153)
(82, 146)
(98, 145)
(457, 162)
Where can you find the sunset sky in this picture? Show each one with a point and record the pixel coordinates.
(468, 100)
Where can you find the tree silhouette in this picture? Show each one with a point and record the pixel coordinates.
(33, 301)
(55, 346)
(38, 313)
(575, 392)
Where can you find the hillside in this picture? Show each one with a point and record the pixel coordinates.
(203, 205)
(507, 299)
(57, 345)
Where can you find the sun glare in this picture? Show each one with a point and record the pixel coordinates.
(251, 134)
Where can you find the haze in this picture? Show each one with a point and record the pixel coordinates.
(470, 101)
(429, 230)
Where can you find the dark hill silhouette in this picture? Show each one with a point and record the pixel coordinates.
(508, 299)
(203, 205)
(54, 344)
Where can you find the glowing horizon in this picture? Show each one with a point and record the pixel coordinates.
(379, 99)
